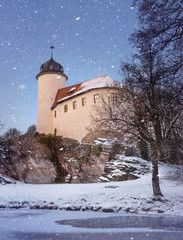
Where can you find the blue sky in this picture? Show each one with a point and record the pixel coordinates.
(90, 39)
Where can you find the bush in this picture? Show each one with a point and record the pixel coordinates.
(96, 150)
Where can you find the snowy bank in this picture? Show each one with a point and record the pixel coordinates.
(133, 196)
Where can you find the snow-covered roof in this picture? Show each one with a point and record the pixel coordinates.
(66, 93)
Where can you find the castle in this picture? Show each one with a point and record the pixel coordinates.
(66, 111)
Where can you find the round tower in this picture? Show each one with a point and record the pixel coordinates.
(50, 79)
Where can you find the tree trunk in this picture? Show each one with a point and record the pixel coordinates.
(155, 176)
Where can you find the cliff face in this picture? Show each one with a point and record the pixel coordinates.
(50, 159)
(53, 159)
(26, 160)
(86, 163)
(80, 163)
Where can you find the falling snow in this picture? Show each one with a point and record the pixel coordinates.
(77, 19)
(90, 39)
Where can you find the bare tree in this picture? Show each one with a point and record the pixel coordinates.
(12, 132)
(31, 129)
(149, 104)
(1, 126)
(160, 31)
(148, 107)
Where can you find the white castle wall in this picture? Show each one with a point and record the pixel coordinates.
(48, 85)
(75, 122)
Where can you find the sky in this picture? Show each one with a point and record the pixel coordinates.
(90, 39)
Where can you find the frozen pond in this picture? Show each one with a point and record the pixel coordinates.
(66, 225)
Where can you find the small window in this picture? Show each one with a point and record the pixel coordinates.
(55, 114)
(66, 108)
(74, 105)
(55, 132)
(113, 97)
(83, 101)
(96, 98)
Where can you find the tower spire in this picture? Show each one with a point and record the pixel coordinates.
(52, 47)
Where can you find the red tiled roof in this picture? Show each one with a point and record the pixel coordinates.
(66, 93)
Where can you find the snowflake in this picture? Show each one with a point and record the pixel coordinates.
(22, 86)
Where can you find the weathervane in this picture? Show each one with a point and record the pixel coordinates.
(52, 47)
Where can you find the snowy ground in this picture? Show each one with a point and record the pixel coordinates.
(133, 196)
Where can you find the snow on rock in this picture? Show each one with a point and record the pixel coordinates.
(122, 168)
(5, 180)
(105, 142)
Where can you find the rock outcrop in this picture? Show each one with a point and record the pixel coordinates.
(53, 159)
(25, 159)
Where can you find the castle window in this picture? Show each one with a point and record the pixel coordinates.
(66, 108)
(83, 101)
(96, 98)
(74, 105)
(55, 132)
(113, 97)
(55, 113)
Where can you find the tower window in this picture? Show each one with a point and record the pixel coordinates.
(83, 101)
(66, 108)
(74, 105)
(55, 113)
(113, 97)
(96, 98)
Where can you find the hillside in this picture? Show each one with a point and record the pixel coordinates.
(51, 159)
(100, 170)
(133, 196)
